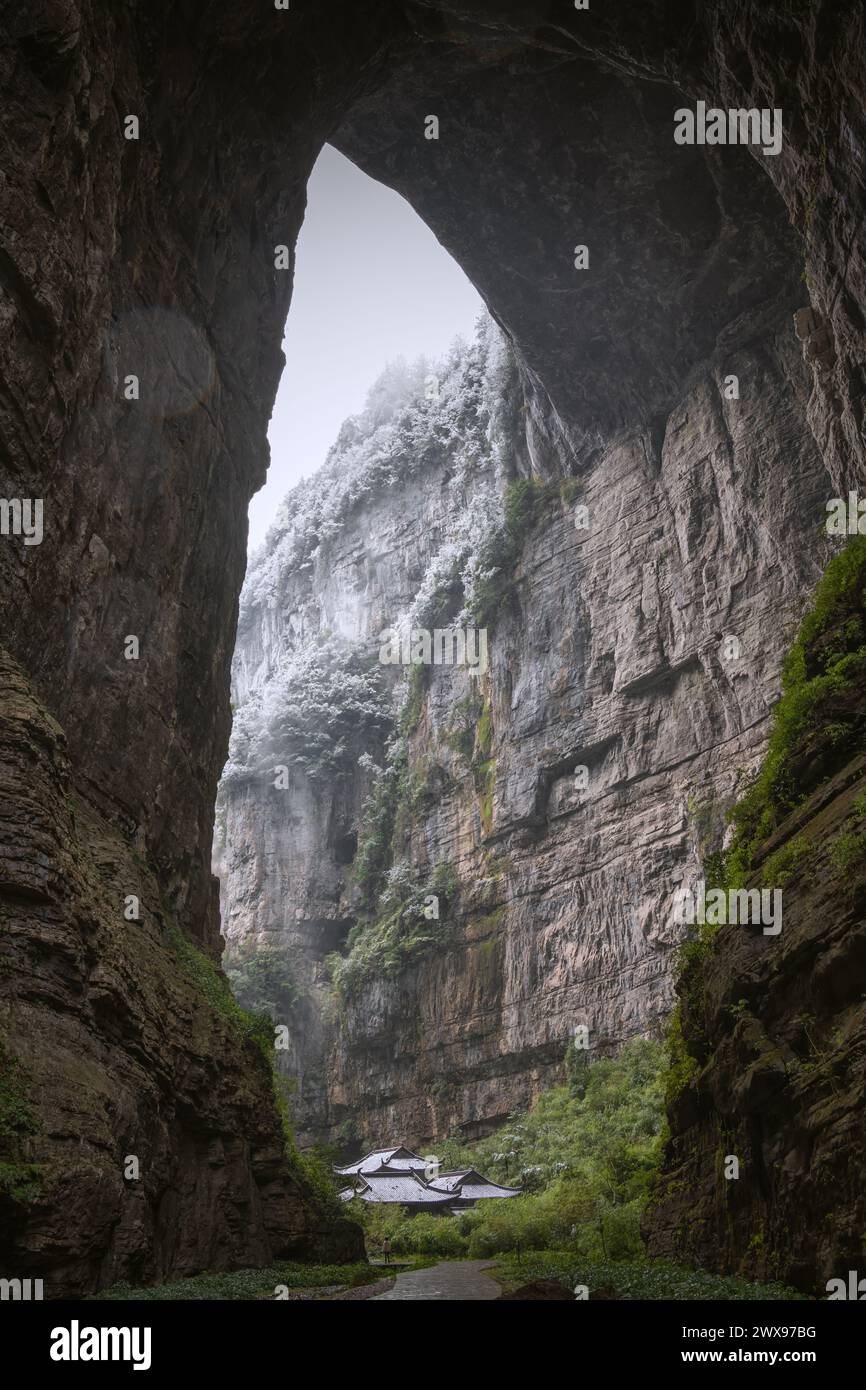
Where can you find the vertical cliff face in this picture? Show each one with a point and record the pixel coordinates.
(771, 1028)
(638, 630)
(154, 258)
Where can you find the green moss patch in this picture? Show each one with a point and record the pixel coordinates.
(818, 722)
(18, 1181)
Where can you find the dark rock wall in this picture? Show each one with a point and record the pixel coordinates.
(771, 1065)
(156, 257)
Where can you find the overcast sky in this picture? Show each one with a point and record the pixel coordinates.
(372, 284)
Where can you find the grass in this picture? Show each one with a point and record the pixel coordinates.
(635, 1280)
(245, 1284)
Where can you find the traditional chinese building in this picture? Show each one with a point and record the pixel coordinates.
(402, 1178)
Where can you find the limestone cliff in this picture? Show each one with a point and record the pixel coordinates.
(610, 648)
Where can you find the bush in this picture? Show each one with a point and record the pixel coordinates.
(589, 1159)
(682, 1066)
(402, 931)
(590, 1148)
(494, 585)
(264, 983)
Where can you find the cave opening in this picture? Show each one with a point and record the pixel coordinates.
(632, 374)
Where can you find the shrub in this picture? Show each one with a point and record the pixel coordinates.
(400, 933)
(373, 856)
(781, 866)
(264, 983)
(319, 701)
(848, 851)
(244, 1284)
(500, 552)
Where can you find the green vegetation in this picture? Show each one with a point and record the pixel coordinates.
(390, 790)
(471, 738)
(264, 983)
(407, 926)
(19, 1181)
(585, 1155)
(397, 922)
(848, 848)
(781, 866)
(213, 984)
(317, 723)
(410, 714)
(656, 1280)
(258, 1028)
(682, 1066)
(246, 1284)
(324, 700)
(484, 732)
(485, 784)
(849, 851)
(463, 733)
(524, 505)
(817, 712)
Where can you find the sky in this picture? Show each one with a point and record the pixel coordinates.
(371, 284)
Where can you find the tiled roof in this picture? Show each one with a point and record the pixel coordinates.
(399, 1187)
(447, 1182)
(397, 1175)
(477, 1191)
(398, 1157)
(399, 1165)
(471, 1185)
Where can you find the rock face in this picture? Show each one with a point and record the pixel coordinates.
(774, 1026)
(154, 258)
(122, 1058)
(610, 653)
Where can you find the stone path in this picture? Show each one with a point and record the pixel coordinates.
(455, 1280)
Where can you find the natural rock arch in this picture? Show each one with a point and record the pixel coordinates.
(118, 771)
